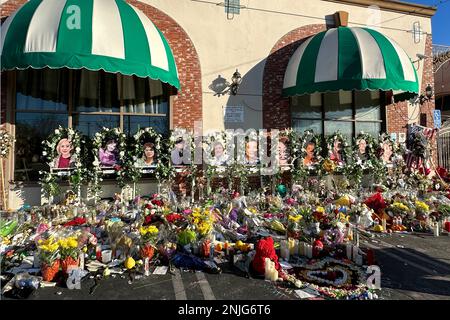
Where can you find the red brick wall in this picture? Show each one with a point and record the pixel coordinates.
(397, 117)
(276, 110)
(397, 114)
(428, 78)
(187, 106)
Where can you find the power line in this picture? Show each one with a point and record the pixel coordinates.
(321, 18)
(414, 11)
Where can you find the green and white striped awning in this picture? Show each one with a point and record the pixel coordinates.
(349, 58)
(109, 35)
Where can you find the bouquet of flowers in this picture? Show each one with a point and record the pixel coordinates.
(49, 257)
(422, 209)
(69, 252)
(202, 221)
(149, 237)
(376, 202)
(399, 208)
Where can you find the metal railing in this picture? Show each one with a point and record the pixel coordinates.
(443, 145)
(439, 49)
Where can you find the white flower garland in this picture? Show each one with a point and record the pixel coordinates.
(76, 173)
(6, 142)
(97, 173)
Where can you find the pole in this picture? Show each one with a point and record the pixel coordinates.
(3, 184)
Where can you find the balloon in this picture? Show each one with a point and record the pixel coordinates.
(281, 189)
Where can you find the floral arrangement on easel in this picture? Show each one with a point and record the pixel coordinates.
(134, 172)
(73, 142)
(338, 152)
(105, 135)
(218, 165)
(310, 155)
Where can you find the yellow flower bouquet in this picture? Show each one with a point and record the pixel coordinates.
(49, 256)
(69, 252)
(149, 237)
(149, 234)
(422, 207)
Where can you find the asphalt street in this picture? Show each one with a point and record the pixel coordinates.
(413, 267)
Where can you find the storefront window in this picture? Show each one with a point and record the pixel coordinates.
(31, 130)
(346, 111)
(104, 99)
(99, 99)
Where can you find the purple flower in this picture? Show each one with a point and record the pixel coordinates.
(234, 214)
(187, 211)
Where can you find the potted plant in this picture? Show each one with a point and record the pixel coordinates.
(69, 253)
(49, 257)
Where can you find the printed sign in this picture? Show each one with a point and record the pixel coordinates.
(234, 114)
(437, 118)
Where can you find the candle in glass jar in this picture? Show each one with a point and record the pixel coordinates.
(292, 247)
(267, 269)
(309, 251)
(349, 251)
(436, 229)
(355, 253)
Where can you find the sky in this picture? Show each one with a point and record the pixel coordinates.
(440, 22)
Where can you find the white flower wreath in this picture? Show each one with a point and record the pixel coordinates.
(6, 142)
(224, 138)
(310, 137)
(98, 141)
(365, 160)
(341, 159)
(75, 171)
(396, 156)
(147, 134)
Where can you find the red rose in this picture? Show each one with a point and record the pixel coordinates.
(117, 167)
(157, 203)
(148, 219)
(171, 218)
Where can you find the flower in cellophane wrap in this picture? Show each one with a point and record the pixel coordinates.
(69, 252)
(202, 221)
(329, 166)
(149, 237)
(422, 209)
(49, 257)
(294, 229)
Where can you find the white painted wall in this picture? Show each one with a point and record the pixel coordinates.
(245, 41)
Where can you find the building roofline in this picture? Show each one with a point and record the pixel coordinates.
(393, 5)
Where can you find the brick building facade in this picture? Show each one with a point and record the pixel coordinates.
(204, 47)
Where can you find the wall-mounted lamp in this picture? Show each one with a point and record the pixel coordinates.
(221, 86)
(428, 94)
(420, 57)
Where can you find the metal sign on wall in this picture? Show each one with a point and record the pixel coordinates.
(234, 114)
(437, 118)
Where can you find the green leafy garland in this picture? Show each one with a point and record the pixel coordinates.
(49, 180)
